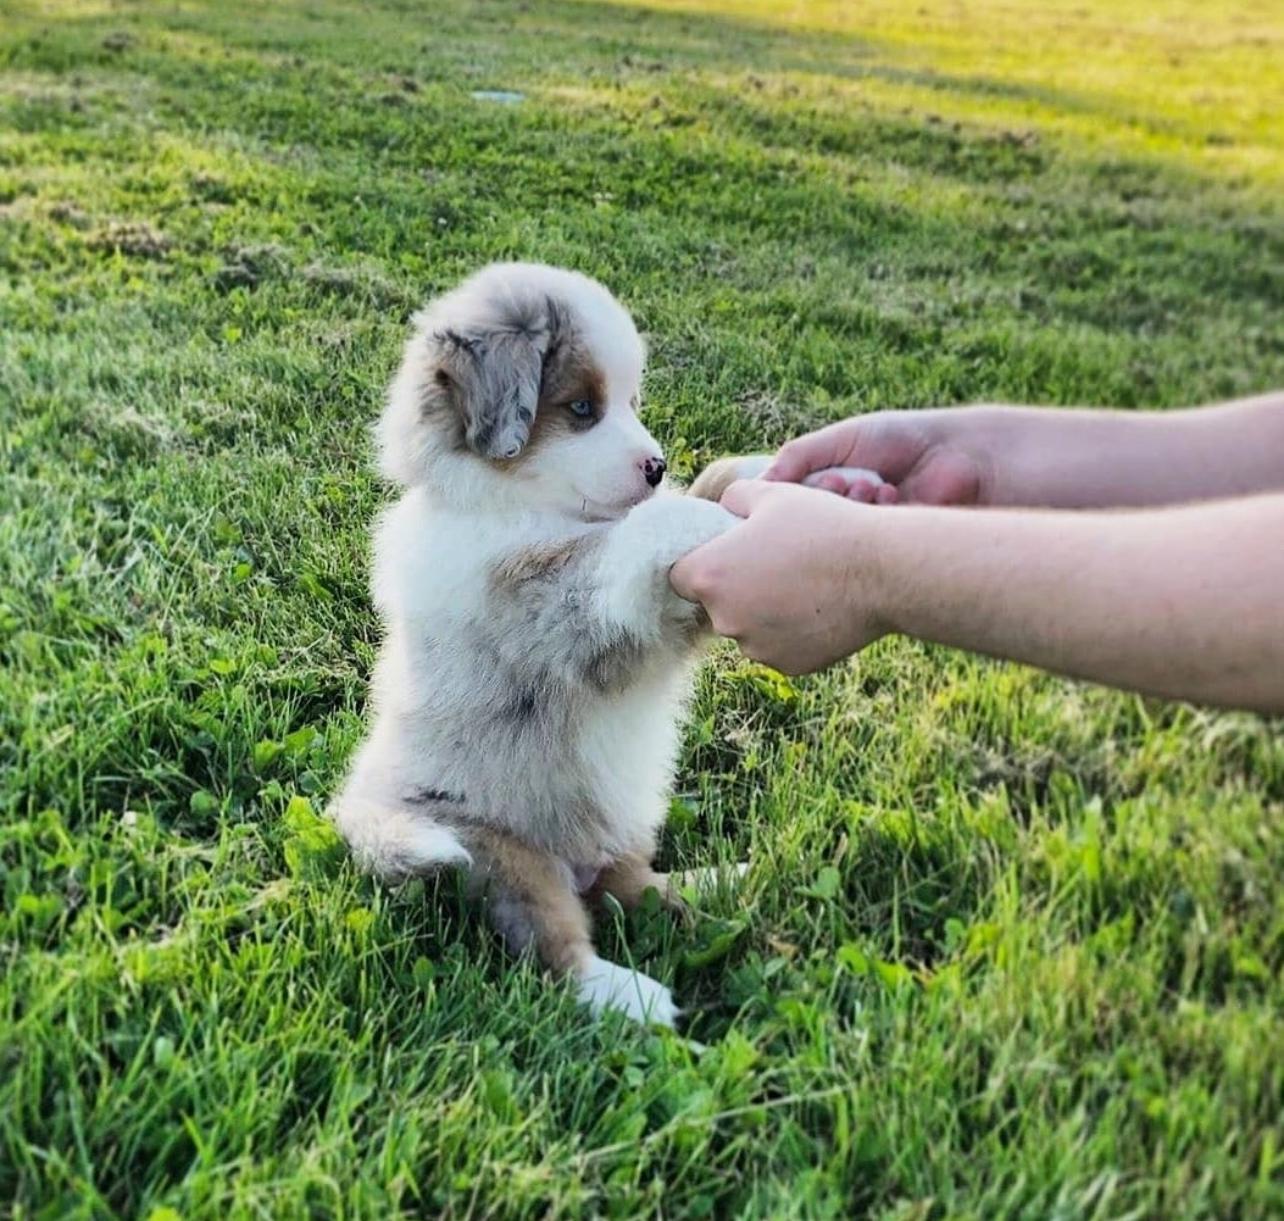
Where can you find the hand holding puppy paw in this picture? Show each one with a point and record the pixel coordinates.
(786, 583)
(669, 525)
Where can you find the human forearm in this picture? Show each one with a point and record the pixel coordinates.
(1070, 459)
(1187, 603)
(1049, 457)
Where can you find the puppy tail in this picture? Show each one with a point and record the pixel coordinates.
(393, 842)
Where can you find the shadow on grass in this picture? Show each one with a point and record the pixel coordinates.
(633, 39)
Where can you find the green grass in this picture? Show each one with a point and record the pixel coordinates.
(1010, 946)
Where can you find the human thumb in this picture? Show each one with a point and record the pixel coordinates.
(794, 461)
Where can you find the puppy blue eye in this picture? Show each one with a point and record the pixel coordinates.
(581, 408)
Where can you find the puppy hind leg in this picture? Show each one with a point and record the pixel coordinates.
(709, 877)
(628, 879)
(535, 905)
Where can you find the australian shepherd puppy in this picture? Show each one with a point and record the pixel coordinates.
(527, 698)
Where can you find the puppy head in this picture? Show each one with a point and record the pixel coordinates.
(519, 389)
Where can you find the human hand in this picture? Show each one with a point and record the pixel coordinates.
(921, 455)
(786, 583)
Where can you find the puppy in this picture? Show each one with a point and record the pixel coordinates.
(535, 660)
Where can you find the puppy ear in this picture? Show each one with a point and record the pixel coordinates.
(493, 378)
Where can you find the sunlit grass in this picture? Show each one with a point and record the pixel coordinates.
(1010, 946)
(1196, 83)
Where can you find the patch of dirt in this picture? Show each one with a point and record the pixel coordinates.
(774, 416)
(127, 430)
(235, 275)
(212, 188)
(339, 336)
(346, 281)
(218, 423)
(67, 213)
(248, 266)
(133, 237)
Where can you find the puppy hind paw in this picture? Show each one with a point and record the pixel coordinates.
(709, 877)
(605, 985)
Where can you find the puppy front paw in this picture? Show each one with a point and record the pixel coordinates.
(720, 474)
(668, 526)
(604, 985)
(634, 594)
(843, 479)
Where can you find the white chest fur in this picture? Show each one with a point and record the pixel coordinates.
(519, 700)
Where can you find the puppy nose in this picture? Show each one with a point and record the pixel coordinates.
(653, 471)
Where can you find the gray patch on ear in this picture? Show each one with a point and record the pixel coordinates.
(496, 372)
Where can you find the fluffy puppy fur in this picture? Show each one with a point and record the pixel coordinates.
(535, 661)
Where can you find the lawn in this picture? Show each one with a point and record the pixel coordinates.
(1009, 947)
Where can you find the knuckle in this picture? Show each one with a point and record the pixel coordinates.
(722, 623)
(699, 590)
(708, 578)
